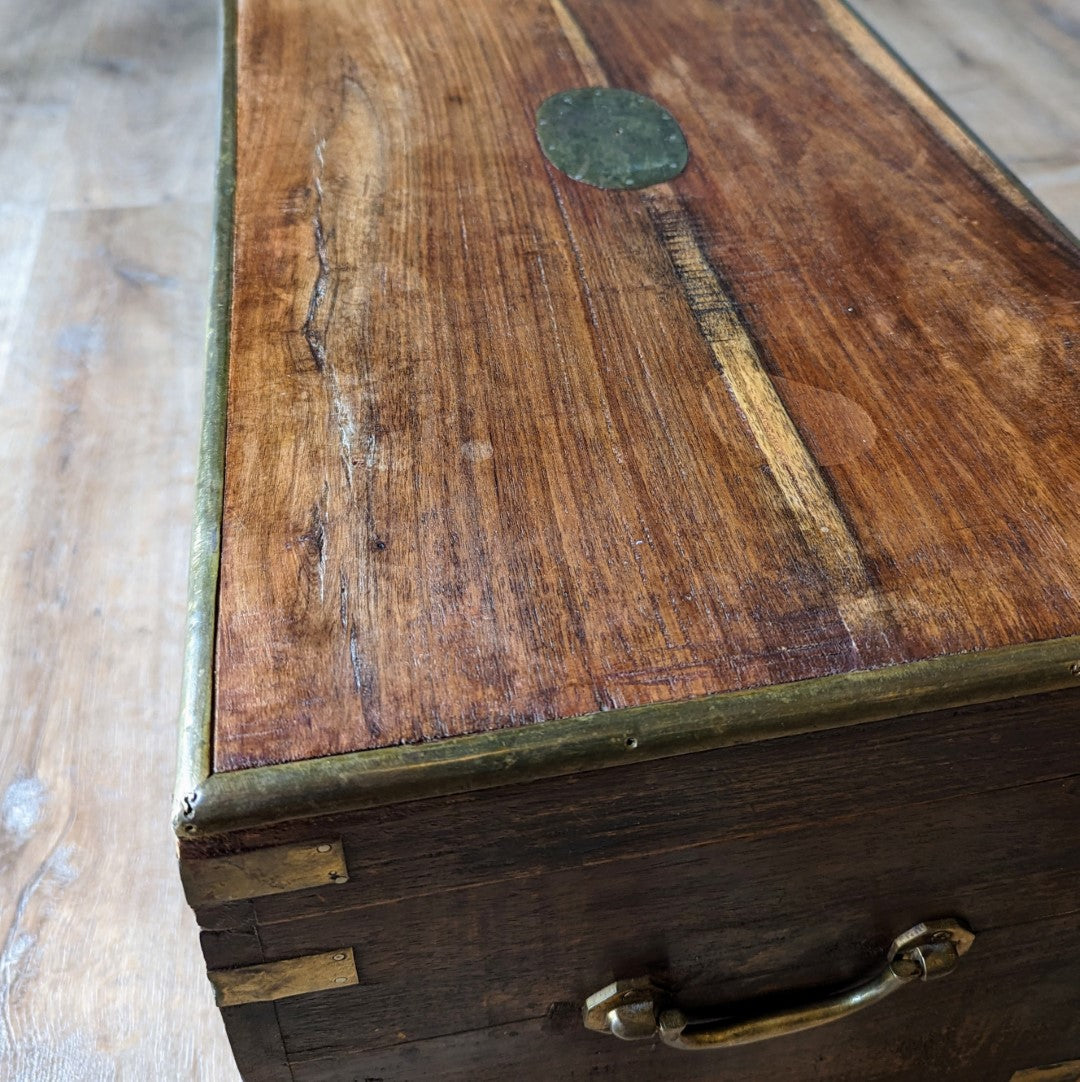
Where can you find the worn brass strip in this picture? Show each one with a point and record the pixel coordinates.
(1054, 1072)
(214, 803)
(290, 977)
(311, 787)
(196, 696)
(277, 869)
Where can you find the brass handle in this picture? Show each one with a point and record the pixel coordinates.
(637, 1009)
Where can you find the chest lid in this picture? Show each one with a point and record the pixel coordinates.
(511, 468)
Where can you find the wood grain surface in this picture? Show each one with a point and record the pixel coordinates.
(107, 136)
(99, 980)
(502, 447)
(1006, 1013)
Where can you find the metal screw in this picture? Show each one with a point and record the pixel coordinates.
(340, 980)
(339, 957)
(322, 848)
(1075, 668)
(335, 876)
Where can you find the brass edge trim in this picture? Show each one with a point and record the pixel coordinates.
(270, 981)
(193, 759)
(314, 787)
(1065, 233)
(257, 873)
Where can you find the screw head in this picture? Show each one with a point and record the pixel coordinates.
(339, 957)
(322, 849)
(339, 980)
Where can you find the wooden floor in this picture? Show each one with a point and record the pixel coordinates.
(107, 136)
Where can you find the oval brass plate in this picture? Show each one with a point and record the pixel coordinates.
(610, 138)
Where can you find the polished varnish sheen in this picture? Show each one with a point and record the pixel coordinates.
(502, 447)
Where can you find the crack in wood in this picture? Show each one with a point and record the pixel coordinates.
(313, 335)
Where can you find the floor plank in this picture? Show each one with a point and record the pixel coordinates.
(107, 136)
(1011, 70)
(106, 144)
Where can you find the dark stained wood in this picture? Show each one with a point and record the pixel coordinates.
(481, 922)
(503, 448)
(256, 1042)
(599, 818)
(722, 923)
(1013, 1004)
(230, 938)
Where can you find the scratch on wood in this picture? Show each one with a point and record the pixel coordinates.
(315, 324)
(313, 334)
(354, 659)
(553, 322)
(364, 682)
(317, 536)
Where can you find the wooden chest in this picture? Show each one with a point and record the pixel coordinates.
(635, 578)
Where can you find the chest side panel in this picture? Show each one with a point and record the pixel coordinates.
(480, 923)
